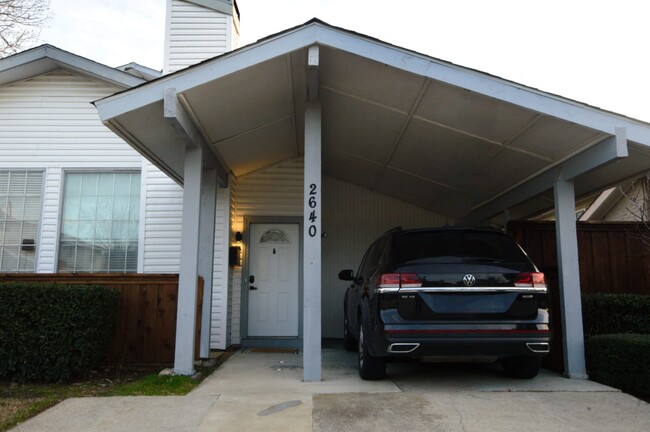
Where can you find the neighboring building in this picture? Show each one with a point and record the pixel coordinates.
(74, 197)
(629, 202)
(52, 147)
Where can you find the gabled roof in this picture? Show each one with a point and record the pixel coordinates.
(438, 135)
(47, 58)
(140, 71)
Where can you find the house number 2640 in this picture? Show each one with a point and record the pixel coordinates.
(312, 202)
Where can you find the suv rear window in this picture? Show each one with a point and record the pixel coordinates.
(455, 246)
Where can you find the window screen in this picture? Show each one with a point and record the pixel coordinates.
(20, 212)
(100, 223)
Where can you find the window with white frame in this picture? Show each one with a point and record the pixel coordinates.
(20, 213)
(99, 222)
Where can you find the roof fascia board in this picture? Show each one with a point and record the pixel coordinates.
(217, 5)
(23, 58)
(482, 83)
(317, 33)
(194, 76)
(609, 150)
(66, 60)
(147, 72)
(603, 153)
(602, 205)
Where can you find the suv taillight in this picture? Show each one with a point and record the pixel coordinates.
(399, 280)
(530, 280)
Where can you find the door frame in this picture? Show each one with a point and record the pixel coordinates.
(269, 341)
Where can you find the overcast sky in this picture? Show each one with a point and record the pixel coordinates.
(594, 51)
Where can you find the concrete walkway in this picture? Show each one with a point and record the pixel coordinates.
(264, 392)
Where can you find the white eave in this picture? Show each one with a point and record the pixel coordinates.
(47, 58)
(446, 138)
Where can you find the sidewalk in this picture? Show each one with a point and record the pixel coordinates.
(265, 392)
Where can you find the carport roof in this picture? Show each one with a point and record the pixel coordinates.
(447, 138)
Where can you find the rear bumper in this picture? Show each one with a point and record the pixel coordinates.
(497, 344)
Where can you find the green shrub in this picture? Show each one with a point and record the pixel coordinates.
(621, 361)
(54, 332)
(616, 313)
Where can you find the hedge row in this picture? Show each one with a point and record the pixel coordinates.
(621, 361)
(54, 332)
(616, 313)
(617, 331)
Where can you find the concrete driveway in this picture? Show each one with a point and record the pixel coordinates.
(264, 392)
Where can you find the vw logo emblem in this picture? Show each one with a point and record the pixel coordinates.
(469, 280)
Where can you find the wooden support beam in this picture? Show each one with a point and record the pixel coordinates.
(312, 245)
(569, 274)
(187, 280)
(206, 253)
(189, 134)
(312, 72)
(607, 151)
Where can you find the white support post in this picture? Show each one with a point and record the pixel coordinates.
(569, 275)
(312, 245)
(187, 280)
(206, 253)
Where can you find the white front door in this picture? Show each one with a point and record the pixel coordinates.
(273, 280)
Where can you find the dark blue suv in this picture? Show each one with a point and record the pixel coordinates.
(447, 293)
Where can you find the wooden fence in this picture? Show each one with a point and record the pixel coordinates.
(614, 257)
(146, 326)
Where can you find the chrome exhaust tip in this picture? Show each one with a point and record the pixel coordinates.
(538, 347)
(403, 348)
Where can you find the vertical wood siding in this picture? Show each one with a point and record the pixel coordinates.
(352, 218)
(195, 33)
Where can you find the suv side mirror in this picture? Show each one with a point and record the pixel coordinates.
(346, 275)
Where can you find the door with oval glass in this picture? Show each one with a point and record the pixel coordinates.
(273, 280)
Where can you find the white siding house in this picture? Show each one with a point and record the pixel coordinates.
(162, 214)
(49, 129)
(48, 125)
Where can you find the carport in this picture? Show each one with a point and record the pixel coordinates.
(473, 147)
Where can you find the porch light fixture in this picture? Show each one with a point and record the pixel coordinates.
(238, 236)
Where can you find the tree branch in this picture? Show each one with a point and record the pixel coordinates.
(20, 23)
